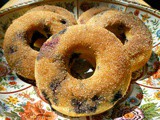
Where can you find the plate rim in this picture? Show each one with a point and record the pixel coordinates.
(126, 3)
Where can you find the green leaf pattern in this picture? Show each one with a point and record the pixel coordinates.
(150, 111)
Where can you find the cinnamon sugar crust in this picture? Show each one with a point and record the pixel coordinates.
(133, 33)
(83, 97)
(55, 9)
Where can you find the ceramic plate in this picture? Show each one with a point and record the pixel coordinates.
(20, 100)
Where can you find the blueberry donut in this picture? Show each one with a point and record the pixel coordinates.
(59, 10)
(131, 31)
(93, 94)
(25, 36)
(85, 16)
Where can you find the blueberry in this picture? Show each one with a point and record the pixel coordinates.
(12, 49)
(117, 96)
(82, 106)
(21, 35)
(95, 98)
(92, 108)
(75, 102)
(54, 85)
(38, 57)
(63, 31)
(63, 21)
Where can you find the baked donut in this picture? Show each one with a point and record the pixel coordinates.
(59, 10)
(85, 16)
(20, 38)
(88, 96)
(131, 31)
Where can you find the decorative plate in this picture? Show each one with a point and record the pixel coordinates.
(22, 101)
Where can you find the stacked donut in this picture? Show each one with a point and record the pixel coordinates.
(128, 28)
(113, 43)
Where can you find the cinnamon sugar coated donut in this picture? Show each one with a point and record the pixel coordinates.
(20, 38)
(59, 10)
(85, 16)
(131, 30)
(88, 96)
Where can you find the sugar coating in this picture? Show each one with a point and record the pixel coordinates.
(92, 95)
(59, 10)
(20, 56)
(139, 40)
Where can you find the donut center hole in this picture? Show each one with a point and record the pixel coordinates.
(81, 67)
(120, 31)
(38, 39)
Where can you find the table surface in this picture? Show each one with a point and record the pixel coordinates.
(14, 2)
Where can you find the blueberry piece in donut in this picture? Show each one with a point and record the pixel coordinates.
(63, 21)
(54, 86)
(19, 35)
(117, 96)
(63, 31)
(52, 43)
(97, 98)
(82, 106)
(92, 108)
(12, 49)
(74, 102)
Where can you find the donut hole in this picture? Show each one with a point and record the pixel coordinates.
(38, 39)
(121, 32)
(81, 66)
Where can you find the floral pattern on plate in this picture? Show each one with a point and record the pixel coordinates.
(9, 82)
(25, 106)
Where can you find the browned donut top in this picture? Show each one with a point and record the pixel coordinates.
(135, 35)
(109, 81)
(59, 10)
(85, 16)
